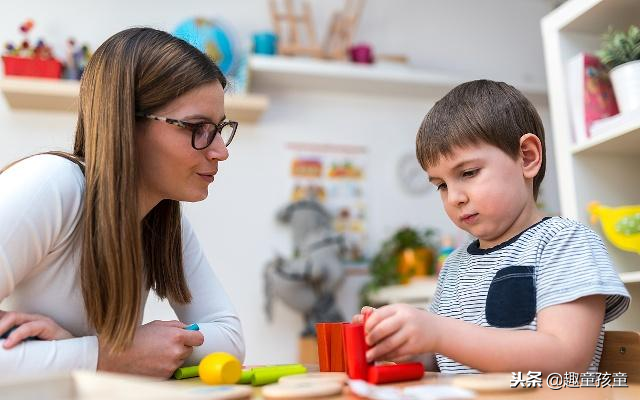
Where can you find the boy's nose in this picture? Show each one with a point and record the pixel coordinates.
(456, 197)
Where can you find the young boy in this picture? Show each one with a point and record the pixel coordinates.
(532, 293)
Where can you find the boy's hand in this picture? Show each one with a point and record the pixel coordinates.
(359, 318)
(29, 325)
(399, 331)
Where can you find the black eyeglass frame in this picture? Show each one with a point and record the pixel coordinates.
(194, 126)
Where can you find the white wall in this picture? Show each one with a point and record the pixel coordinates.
(495, 39)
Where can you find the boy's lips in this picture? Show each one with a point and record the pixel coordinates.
(469, 218)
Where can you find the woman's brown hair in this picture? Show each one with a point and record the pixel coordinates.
(137, 70)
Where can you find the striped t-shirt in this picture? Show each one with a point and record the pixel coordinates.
(552, 262)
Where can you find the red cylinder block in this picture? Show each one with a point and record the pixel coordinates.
(323, 335)
(357, 367)
(395, 373)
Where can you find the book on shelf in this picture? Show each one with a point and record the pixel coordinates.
(590, 94)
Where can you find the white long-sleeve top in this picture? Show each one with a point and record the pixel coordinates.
(41, 201)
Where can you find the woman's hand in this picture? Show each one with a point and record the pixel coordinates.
(400, 331)
(29, 325)
(158, 349)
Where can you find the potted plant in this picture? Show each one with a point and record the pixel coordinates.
(408, 252)
(621, 53)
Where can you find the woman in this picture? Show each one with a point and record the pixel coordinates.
(84, 237)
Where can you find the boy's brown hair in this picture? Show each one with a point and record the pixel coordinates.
(480, 111)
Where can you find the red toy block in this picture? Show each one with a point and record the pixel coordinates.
(355, 346)
(323, 336)
(337, 353)
(395, 373)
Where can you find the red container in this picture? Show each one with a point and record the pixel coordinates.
(25, 66)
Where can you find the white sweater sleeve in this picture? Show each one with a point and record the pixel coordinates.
(210, 306)
(40, 203)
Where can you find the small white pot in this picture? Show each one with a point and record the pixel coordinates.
(626, 85)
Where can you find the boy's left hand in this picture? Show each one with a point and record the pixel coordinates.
(399, 331)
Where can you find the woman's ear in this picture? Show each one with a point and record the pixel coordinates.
(531, 154)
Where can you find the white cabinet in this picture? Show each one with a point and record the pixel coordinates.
(607, 167)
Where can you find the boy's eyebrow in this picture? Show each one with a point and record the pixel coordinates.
(456, 167)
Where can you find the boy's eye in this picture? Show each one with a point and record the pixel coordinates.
(469, 173)
(441, 186)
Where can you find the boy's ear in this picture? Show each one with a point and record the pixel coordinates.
(531, 154)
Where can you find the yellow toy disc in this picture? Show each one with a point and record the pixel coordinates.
(220, 369)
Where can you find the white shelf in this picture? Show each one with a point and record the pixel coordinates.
(595, 16)
(604, 168)
(62, 95)
(630, 277)
(621, 136)
(386, 77)
(418, 292)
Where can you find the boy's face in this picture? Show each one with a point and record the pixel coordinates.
(485, 192)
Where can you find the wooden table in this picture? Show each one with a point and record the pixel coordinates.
(544, 393)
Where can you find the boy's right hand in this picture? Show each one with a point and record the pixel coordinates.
(359, 318)
(158, 349)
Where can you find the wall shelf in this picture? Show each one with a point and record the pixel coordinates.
(620, 134)
(419, 292)
(387, 78)
(630, 277)
(62, 95)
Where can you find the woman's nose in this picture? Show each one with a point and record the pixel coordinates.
(217, 150)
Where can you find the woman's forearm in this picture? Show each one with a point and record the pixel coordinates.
(34, 356)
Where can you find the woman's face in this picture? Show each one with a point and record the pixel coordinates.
(169, 167)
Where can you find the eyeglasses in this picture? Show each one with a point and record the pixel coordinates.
(202, 133)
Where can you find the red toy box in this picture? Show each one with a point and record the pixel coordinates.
(24, 66)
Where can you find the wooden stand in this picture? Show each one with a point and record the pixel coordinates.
(292, 43)
(342, 29)
(339, 37)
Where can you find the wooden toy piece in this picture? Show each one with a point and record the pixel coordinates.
(337, 357)
(271, 374)
(323, 334)
(341, 30)
(339, 377)
(488, 382)
(192, 327)
(331, 352)
(395, 373)
(186, 372)
(218, 392)
(301, 389)
(219, 368)
(291, 44)
(357, 367)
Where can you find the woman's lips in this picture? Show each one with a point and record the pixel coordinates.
(207, 177)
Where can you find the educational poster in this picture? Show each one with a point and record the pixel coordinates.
(334, 175)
